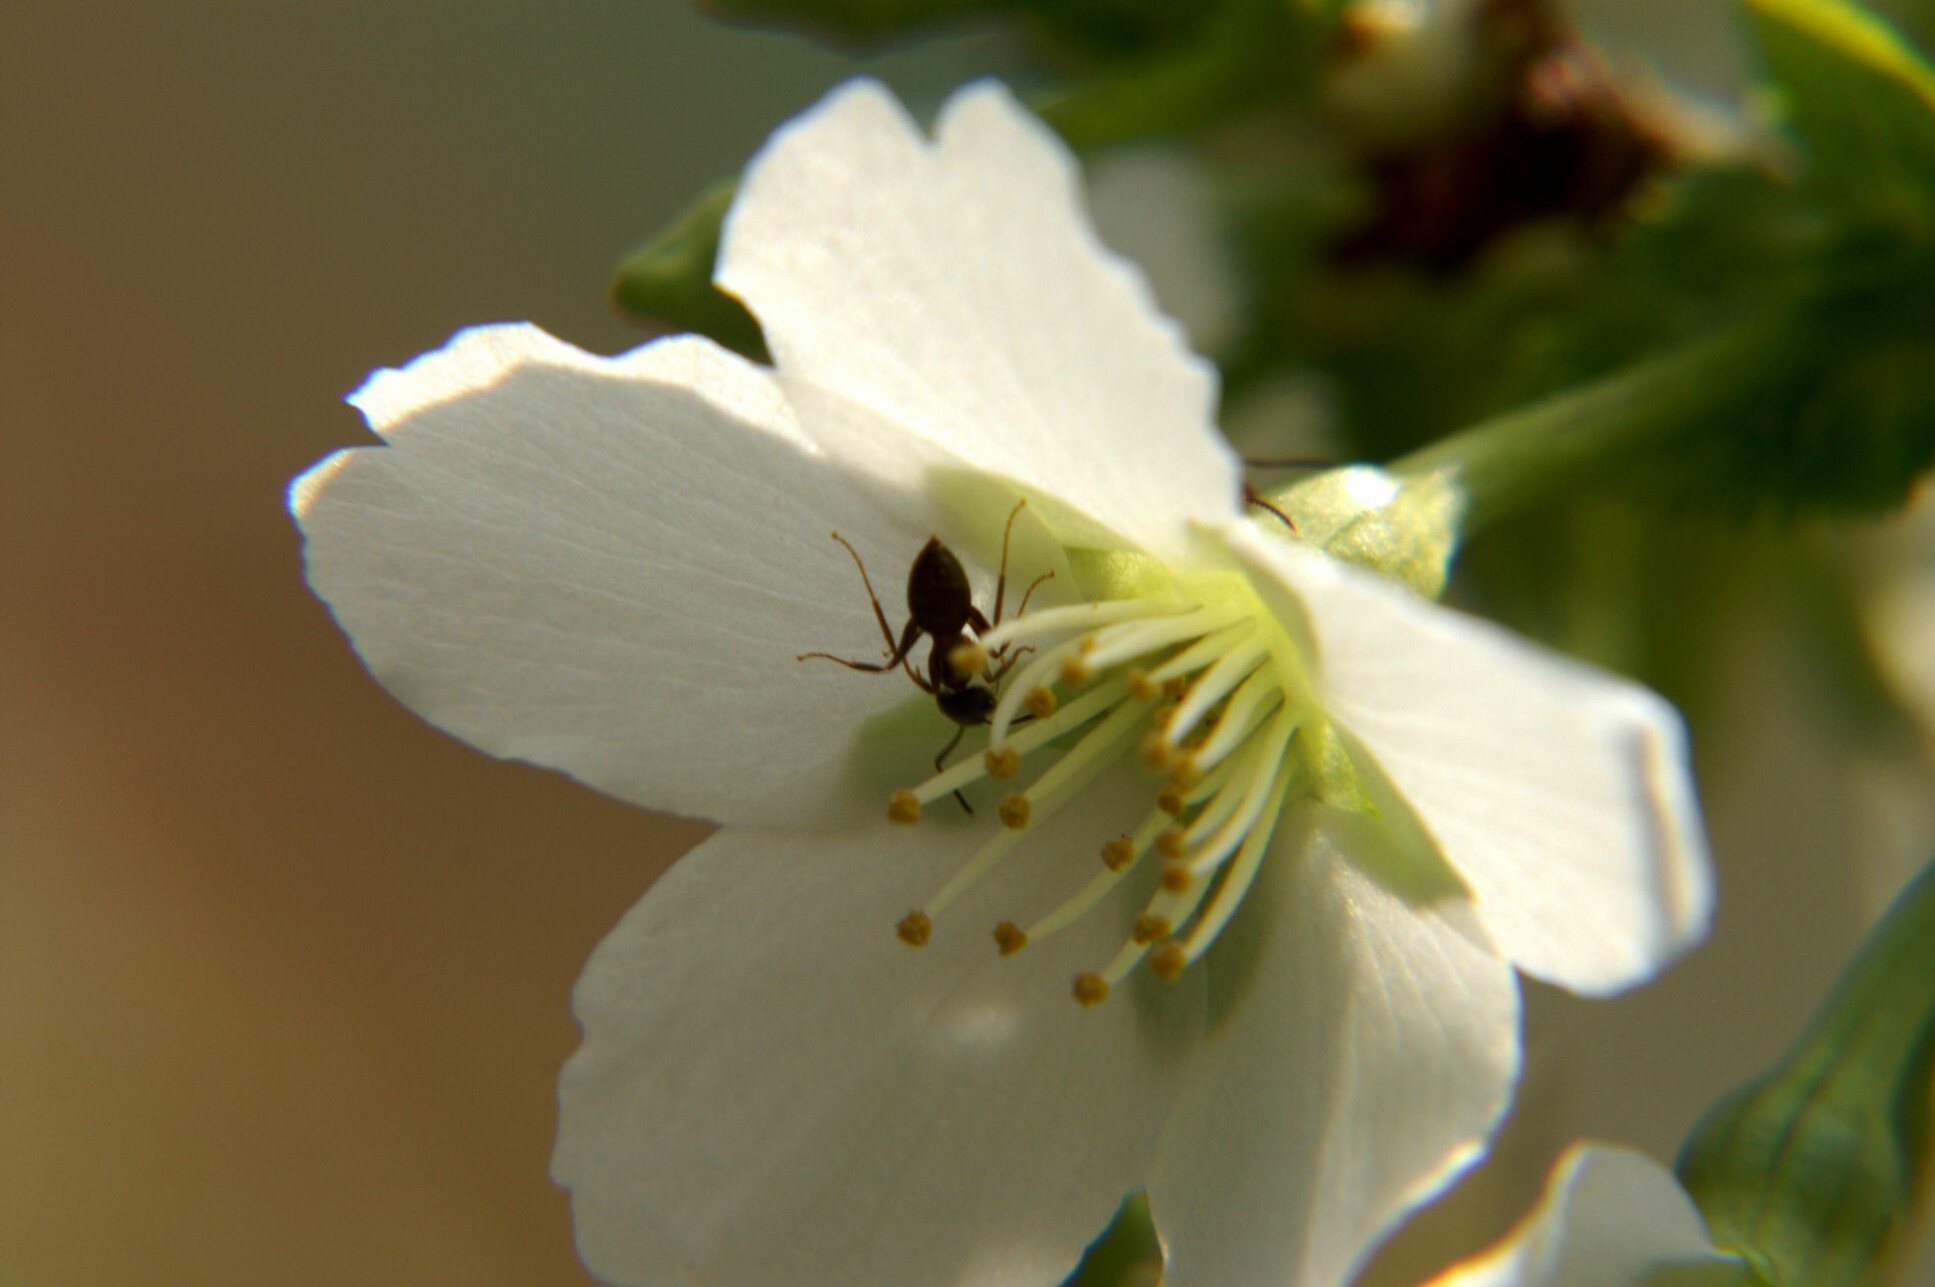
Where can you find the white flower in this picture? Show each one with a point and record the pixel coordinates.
(1610, 1217)
(610, 566)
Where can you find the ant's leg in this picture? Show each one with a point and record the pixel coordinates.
(1001, 581)
(886, 631)
(1250, 497)
(908, 638)
(940, 764)
(1023, 609)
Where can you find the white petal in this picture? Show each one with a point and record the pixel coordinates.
(774, 1090)
(957, 289)
(1610, 1217)
(1361, 1048)
(608, 566)
(1561, 794)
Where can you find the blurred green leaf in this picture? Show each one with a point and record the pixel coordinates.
(1811, 1171)
(668, 280)
(1861, 99)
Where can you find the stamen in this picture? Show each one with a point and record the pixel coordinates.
(1075, 670)
(1091, 989)
(1143, 687)
(1010, 938)
(1001, 761)
(1256, 797)
(1217, 683)
(1088, 757)
(914, 929)
(1118, 853)
(903, 807)
(1040, 732)
(1241, 873)
(968, 658)
(1173, 674)
(1100, 884)
(1041, 702)
(1033, 675)
(1014, 812)
(1150, 928)
(1079, 617)
(1118, 644)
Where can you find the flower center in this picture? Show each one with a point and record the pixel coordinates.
(1209, 690)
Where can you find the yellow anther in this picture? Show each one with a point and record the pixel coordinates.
(1091, 988)
(1118, 853)
(1175, 689)
(903, 807)
(1170, 800)
(1155, 751)
(1176, 877)
(1184, 772)
(1172, 844)
(1041, 701)
(1014, 812)
(968, 658)
(1141, 687)
(1150, 928)
(1075, 671)
(914, 929)
(1010, 938)
(1001, 761)
(1167, 962)
(1163, 718)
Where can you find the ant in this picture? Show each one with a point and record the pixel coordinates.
(940, 605)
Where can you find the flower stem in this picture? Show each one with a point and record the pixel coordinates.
(1514, 461)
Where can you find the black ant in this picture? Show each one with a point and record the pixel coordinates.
(940, 605)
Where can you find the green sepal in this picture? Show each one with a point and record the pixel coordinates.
(1127, 1254)
(1811, 1171)
(1406, 528)
(668, 280)
(1860, 98)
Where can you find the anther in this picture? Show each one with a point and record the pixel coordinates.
(1010, 938)
(1176, 688)
(1118, 853)
(1185, 772)
(1091, 988)
(1176, 877)
(1168, 961)
(1155, 751)
(968, 658)
(1014, 812)
(1163, 718)
(904, 807)
(1171, 801)
(1001, 761)
(1141, 687)
(1150, 928)
(1173, 843)
(914, 929)
(1041, 701)
(1075, 671)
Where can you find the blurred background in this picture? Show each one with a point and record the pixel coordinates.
(284, 973)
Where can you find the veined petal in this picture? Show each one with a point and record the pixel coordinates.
(1559, 793)
(1361, 1047)
(773, 1089)
(1609, 1217)
(956, 288)
(609, 566)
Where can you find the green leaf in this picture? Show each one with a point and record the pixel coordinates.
(668, 280)
(1860, 97)
(1811, 1171)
